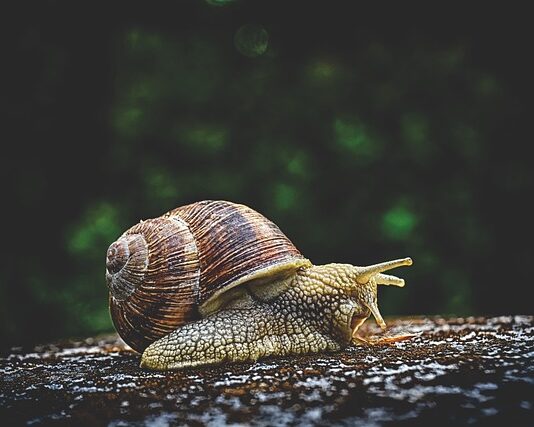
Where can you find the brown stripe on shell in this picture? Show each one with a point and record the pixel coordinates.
(167, 297)
(235, 241)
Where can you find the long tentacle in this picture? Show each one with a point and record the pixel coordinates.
(364, 274)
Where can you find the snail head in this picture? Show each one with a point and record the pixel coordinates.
(367, 281)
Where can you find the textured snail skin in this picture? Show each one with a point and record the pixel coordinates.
(320, 310)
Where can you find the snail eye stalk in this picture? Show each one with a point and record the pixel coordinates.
(365, 274)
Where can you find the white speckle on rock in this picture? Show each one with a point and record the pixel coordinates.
(314, 382)
(232, 380)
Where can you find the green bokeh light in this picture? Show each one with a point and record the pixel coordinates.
(398, 222)
(95, 231)
(415, 131)
(352, 136)
(321, 71)
(487, 86)
(285, 196)
(203, 138)
(251, 40)
(140, 41)
(127, 121)
(297, 163)
(161, 186)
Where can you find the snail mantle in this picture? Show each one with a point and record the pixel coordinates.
(455, 371)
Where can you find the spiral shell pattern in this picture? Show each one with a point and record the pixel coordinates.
(162, 270)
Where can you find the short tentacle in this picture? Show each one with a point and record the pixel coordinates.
(387, 279)
(376, 313)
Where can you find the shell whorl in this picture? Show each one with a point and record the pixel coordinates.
(126, 265)
(161, 292)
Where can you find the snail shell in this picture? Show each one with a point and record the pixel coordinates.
(164, 272)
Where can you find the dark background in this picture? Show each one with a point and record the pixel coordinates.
(365, 133)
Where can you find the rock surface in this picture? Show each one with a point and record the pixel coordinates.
(456, 371)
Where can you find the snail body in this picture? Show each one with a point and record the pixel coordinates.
(216, 281)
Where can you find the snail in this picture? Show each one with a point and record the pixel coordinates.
(216, 281)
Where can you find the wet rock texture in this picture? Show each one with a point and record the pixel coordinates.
(457, 371)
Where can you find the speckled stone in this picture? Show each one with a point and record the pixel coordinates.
(458, 371)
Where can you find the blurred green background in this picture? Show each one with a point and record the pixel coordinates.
(365, 133)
